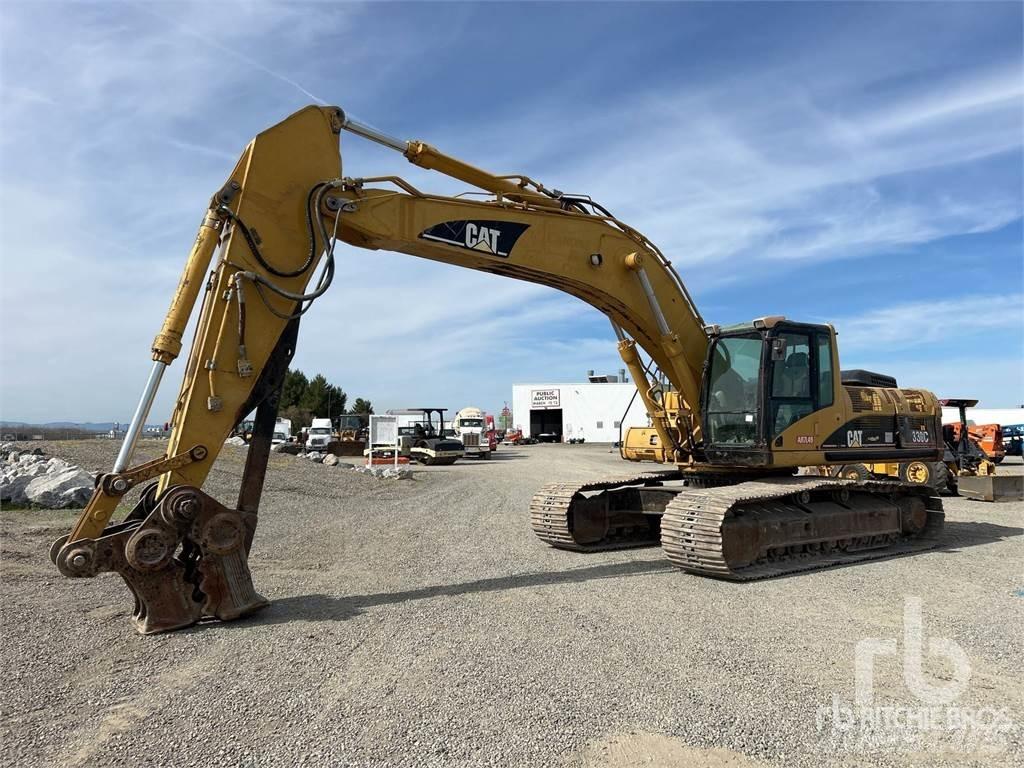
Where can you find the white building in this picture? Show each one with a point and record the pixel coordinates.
(591, 411)
(1003, 416)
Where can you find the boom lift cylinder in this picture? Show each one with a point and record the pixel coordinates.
(167, 344)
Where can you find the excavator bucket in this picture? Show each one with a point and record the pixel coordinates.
(349, 447)
(992, 487)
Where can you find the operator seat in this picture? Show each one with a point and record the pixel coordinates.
(795, 382)
(796, 375)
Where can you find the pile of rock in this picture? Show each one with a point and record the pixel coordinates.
(317, 457)
(29, 478)
(327, 459)
(403, 472)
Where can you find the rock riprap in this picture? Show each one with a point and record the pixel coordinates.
(29, 478)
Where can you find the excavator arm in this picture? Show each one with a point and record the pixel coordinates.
(263, 254)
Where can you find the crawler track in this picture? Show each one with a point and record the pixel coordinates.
(757, 530)
(558, 514)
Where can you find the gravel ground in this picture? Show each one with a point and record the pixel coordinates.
(421, 623)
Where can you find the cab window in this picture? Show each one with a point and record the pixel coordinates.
(791, 394)
(732, 390)
(824, 371)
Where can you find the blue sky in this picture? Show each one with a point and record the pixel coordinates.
(859, 164)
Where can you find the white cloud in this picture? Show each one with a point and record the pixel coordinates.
(972, 96)
(945, 346)
(946, 322)
(715, 181)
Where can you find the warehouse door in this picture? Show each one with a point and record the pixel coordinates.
(546, 422)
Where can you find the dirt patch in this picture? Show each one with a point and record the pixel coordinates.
(640, 749)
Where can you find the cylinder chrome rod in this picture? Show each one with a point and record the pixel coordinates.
(652, 299)
(131, 437)
(371, 133)
(426, 156)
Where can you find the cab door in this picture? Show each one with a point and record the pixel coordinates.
(801, 386)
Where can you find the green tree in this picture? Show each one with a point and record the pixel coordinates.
(323, 399)
(294, 389)
(314, 399)
(362, 406)
(299, 417)
(337, 401)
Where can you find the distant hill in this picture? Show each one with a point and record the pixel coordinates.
(87, 426)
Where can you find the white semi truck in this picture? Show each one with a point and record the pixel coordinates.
(470, 427)
(319, 434)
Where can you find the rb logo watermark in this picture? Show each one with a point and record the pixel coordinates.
(934, 719)
(913, 674)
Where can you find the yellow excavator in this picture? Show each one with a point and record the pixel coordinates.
(736, 409)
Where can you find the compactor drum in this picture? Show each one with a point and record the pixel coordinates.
(425, 443)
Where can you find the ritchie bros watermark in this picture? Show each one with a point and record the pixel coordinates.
(934, 718)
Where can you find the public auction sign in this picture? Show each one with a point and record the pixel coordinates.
(544, 398)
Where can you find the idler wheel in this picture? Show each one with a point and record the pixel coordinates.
(913, 514)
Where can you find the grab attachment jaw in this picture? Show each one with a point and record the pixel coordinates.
(186, 559)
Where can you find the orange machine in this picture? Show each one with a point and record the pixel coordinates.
(988, 436)
(513, 436)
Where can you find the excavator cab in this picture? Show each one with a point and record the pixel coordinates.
(761, 378)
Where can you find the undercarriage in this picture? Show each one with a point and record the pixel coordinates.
(743, 530)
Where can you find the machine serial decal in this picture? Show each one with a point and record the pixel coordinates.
(495, 238)
(805, 440)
